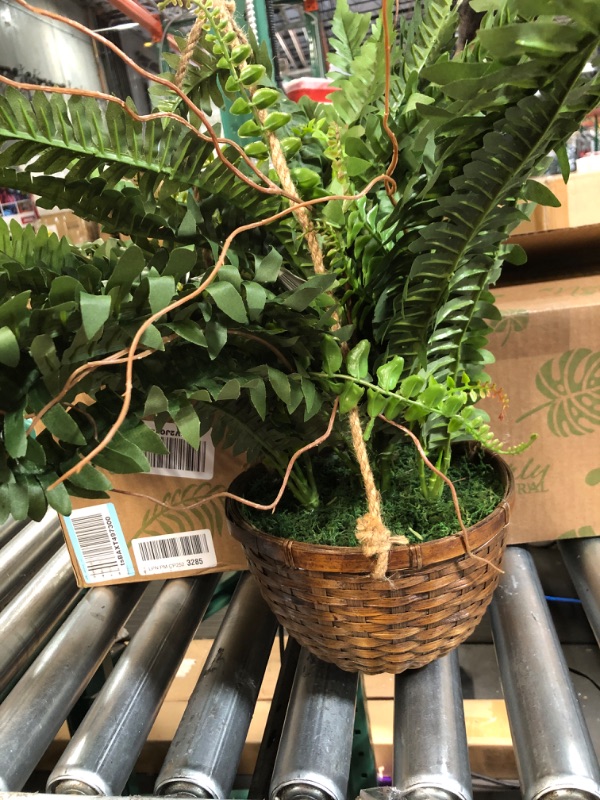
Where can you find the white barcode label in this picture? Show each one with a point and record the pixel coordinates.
(183, 461)
(174, 552)
(99, 544)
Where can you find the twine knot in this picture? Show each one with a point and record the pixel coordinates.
(375, 540)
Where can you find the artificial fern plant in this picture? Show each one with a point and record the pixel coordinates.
(437, 149)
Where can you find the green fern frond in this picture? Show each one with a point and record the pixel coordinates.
(348, 32)
(22, 248)
(90, 141)
(428, 34)
(481, 201)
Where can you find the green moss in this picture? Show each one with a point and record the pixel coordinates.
(405, 510)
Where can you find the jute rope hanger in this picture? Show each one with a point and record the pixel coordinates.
(374, 537)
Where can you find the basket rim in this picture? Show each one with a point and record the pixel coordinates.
(336, 559)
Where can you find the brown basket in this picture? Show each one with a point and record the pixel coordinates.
(325, 597)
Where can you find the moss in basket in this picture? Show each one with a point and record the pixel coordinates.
(236, 309)
(405, 510)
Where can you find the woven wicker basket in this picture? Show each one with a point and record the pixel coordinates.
(433, 598)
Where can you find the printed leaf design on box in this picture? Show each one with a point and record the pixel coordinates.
(161, 519)
(593, 477)
(511, 323)
(572, 385)
(585, 532)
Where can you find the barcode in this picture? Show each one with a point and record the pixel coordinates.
(97, 535)
(191, 551)
(157, 548)
(183, 460)
(181, 456)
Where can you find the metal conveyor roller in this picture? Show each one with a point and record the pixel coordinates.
(306, 752)
(552, 744)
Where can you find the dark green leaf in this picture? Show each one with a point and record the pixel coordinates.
(15, 440)
(13, 311)
(132, 457)
(152, 338)
(356, 167)
(95, 310)
(188, 225)
(188, 423)
(63, 426)
(515, 254)
(216, 338)
(280, 384)
(562, 157)
(146, 438)
(38, 504)
(161, 291)
(18, 500)
(91, 479)
(230, 391)
(256, 297)
(127, 269)
(156, 402)
(190, 331)
(540, 193)
(181, 261)
(311, 398)
(58, 498)
(258, 398)
(9, 348)
(267, 268)
(64, 289)
(302, 297)
(229, 301)
(44, 354)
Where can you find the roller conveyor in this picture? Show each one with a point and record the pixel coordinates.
(54, 638)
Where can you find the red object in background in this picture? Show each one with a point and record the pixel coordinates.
(147, 20)
(318, 89)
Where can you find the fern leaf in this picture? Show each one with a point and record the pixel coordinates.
(90, 142)
(348, 32)
(481, 201)
(428, 34)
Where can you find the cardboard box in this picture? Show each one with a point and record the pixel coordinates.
(160, 524)
(65, 223)
(577, 204)
(547, 349)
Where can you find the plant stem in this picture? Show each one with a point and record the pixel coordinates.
(432, 485)
(385, 392)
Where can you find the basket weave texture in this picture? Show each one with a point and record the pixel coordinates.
(433, 597)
